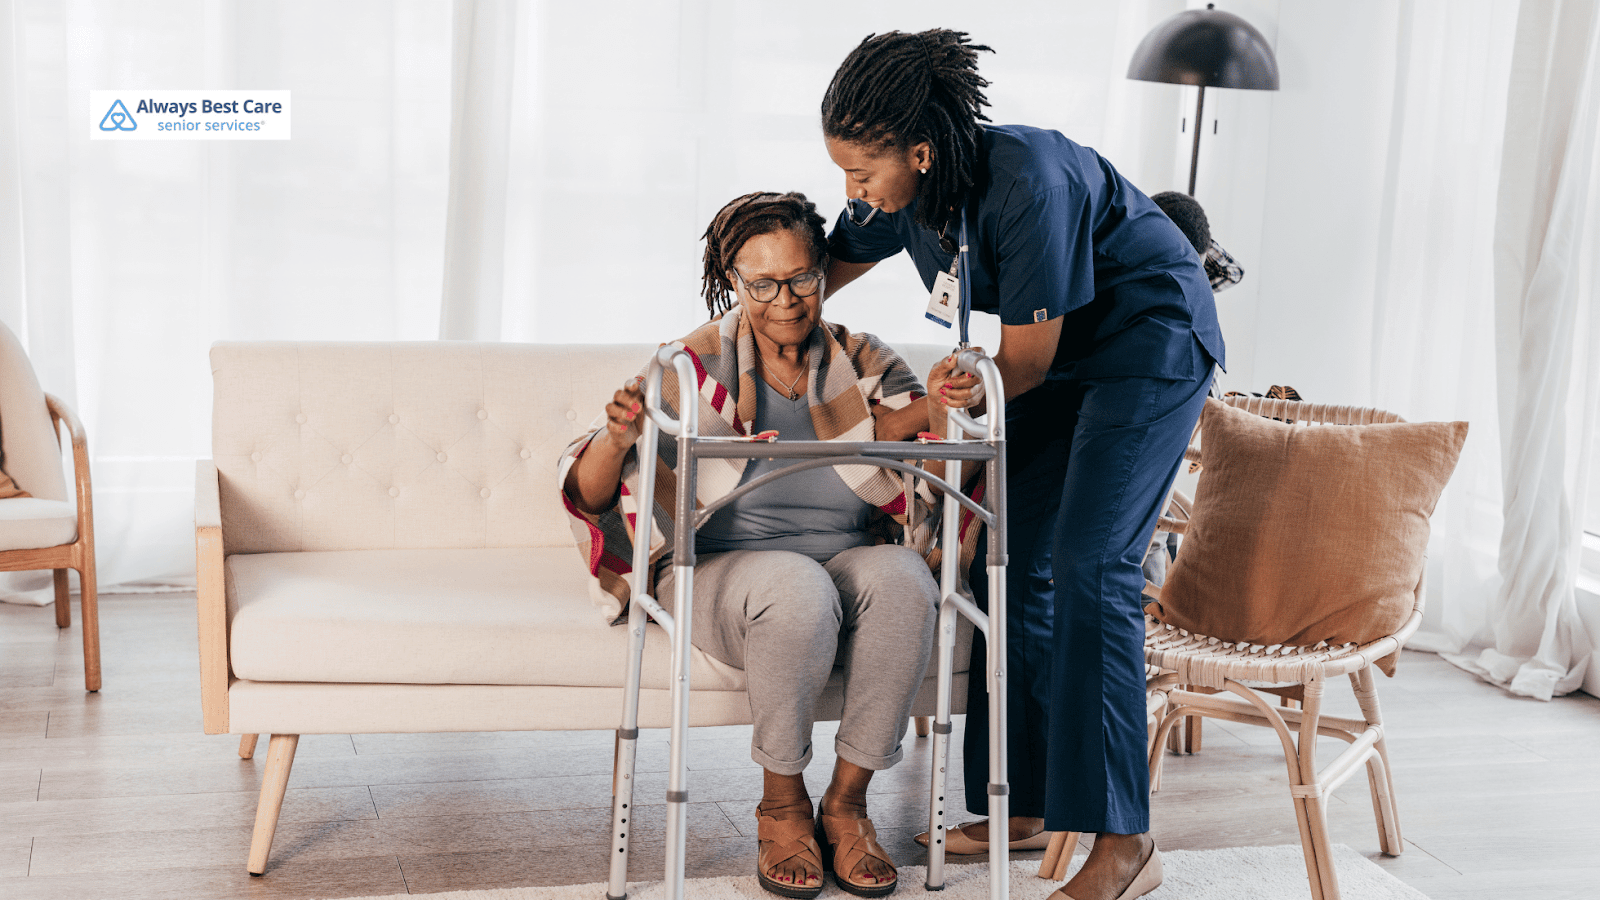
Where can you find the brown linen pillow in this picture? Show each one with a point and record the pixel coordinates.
(9, 489)
(1303, 534)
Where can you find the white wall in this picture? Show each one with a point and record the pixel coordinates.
(1292, 182)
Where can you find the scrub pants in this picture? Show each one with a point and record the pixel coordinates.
(1089, 464)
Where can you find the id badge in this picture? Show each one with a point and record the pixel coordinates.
(945, 300)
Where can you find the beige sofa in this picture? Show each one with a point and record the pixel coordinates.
(382, 548)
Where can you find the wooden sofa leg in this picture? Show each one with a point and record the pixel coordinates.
(91, 626)
(63, 600)
(247, 745)
(280, 759)
(920, 724)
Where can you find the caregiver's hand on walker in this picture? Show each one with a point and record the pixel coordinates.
(948, 387)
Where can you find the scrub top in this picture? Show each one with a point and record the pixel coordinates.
(1054, 230)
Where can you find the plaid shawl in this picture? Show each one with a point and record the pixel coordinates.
(849, 374)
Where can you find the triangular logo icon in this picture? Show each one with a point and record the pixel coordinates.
(117, 118)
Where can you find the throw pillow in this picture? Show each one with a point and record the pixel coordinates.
(9, 489)
(1307, 533)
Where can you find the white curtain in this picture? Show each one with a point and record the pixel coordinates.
(121, 263)
(484, 53)
(1433, 329)
(1484, 311)
(1548, 363)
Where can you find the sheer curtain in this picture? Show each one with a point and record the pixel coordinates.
(123, 262)
(1485, 302)
(1545, 295)
(1433, 331)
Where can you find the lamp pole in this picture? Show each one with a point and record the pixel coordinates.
(1194, 156)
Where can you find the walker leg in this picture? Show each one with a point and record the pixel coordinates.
(625, 764)
(677, 771)
(949, 578)
(999, 787)
(941, 748)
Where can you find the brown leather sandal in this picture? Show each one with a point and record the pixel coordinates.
(781, 840)
(845, 843)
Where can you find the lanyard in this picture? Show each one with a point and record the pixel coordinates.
(965, 279)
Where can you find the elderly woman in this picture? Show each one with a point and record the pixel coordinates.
(794, 575)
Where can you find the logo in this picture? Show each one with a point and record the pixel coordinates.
(188, 115)
(118, 119)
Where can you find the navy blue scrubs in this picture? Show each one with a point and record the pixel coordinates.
(1056, 232)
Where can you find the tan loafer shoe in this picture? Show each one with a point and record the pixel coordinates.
(957, 843)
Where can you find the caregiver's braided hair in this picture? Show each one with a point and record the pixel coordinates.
(895, 90)
(754, 214)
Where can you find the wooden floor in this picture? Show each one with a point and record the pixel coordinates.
(119, 794)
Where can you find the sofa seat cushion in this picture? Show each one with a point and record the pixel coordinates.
(437, 617)
(32, 523)
(434, 617)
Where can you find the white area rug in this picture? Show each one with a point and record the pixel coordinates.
(1245, 873)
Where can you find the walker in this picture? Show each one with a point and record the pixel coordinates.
(970, 440)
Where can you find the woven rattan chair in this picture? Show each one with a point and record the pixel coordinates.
(1199, 676)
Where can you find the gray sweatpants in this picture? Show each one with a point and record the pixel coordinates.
(786, 619)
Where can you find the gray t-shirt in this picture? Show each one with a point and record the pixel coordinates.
(812, 512)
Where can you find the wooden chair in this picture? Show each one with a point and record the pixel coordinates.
(1199, 676)
(45, 530)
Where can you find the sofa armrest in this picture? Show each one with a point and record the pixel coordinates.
(211, 597)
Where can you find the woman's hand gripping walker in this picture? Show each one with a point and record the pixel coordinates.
(962, 376)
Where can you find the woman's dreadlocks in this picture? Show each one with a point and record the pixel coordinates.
(744, 218)
(895, 90)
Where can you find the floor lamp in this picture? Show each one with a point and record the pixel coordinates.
(1208, 48)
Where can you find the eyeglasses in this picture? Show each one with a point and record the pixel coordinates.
(850, 210)
(765, 290)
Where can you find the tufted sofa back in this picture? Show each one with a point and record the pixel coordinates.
(364, 446)
(358, 446)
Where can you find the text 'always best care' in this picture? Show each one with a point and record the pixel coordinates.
(246, 106)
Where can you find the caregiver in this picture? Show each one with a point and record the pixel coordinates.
(1108, 338)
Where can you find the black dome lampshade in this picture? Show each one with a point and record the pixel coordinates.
(1207, 48)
